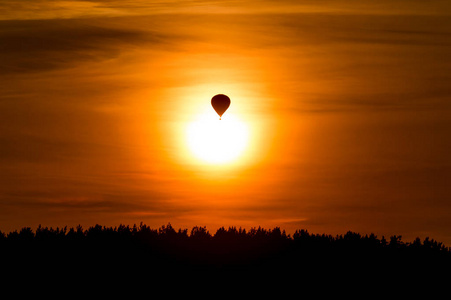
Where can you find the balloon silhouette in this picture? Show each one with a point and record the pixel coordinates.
(220, 103)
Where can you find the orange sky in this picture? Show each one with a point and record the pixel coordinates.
(347, 104)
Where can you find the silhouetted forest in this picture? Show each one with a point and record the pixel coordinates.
(165, 248)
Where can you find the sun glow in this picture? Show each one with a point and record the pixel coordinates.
(217, 141)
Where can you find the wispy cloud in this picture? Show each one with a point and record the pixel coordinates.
(63, 9)
(40, 45)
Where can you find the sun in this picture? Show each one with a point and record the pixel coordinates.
(217, 141)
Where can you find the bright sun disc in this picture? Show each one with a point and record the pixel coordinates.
(217, 141)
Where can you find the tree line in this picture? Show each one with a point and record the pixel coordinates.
(227, 248)
(234, 235)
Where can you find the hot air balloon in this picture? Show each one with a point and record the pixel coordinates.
(220, 103)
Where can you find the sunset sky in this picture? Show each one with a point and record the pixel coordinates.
(340, 115)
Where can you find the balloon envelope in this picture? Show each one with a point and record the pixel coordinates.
(220, 103)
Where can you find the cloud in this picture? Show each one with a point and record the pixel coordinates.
(63, 9)
(370, 62)
(41, 45)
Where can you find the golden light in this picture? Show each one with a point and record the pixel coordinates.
(217, 141)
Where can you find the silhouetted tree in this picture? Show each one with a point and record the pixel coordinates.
(200, 234)
(168, 249)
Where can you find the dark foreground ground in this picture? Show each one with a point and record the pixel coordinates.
(140, 253)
